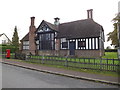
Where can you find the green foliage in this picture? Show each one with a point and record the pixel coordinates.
(111, 55)
(11, 47)
(112, 36)
(110, 50)
(15, 39)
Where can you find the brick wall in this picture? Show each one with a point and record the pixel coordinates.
(88, 53)
(27, 52)
(78, 53)
(53, 52)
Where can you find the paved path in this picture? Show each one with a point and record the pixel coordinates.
(73, 74)
(17, 77)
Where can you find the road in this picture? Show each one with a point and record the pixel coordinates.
(16, 77)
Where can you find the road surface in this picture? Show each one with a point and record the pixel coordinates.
(16, 77)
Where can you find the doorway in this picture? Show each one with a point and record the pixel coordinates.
(72, 48)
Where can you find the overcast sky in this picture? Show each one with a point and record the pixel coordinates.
(18, 12)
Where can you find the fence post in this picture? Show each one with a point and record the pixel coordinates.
(42, 59)
(113, 65)
(66, 61)
(107, 63)
(101, 64)
(27, 57)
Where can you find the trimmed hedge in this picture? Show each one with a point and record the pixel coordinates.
(13, 49)
(110, 50)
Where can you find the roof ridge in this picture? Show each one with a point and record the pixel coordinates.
(76, 21)
(48, 22)
(25, 37)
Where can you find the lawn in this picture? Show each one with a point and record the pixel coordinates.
(111, 55)
(106, 59)
(108, 62)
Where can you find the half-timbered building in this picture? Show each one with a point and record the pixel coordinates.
(81, 38)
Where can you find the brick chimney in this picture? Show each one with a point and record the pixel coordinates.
(32, 29)
(90, 13)
(56, 22)
(57, 41)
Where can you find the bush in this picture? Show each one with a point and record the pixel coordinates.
(19, 55)
(13, 49)
(110, 50)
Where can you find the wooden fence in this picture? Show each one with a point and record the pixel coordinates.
(82, 63)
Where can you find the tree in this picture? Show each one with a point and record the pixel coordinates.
(15, 39)
(112, 36)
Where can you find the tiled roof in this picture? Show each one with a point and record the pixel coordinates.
(52, 26)
(79, 29)
(25, 38)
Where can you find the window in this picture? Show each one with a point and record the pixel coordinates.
(25, 45)
(25, 42)
(46, 41)
(88, 43)
(63, 40)
(64, 43)
(81, 43)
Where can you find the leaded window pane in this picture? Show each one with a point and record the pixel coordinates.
(47, 41)
(64, 44)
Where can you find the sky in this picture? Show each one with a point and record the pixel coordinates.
(18, 12)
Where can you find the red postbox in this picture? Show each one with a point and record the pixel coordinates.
(7, 53)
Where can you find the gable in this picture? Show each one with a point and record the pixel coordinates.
(46, 27)
(25, 38)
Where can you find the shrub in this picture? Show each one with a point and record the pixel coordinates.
(12, 48)
(19, 55)
(110, 50)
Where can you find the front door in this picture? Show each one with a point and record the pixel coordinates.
(72, 48)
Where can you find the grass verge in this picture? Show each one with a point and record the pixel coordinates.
(105, 73)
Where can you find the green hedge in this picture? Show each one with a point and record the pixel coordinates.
(13, 49)
(110, 50)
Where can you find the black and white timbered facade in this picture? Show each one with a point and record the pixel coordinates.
(81, 38)
(45, 37)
